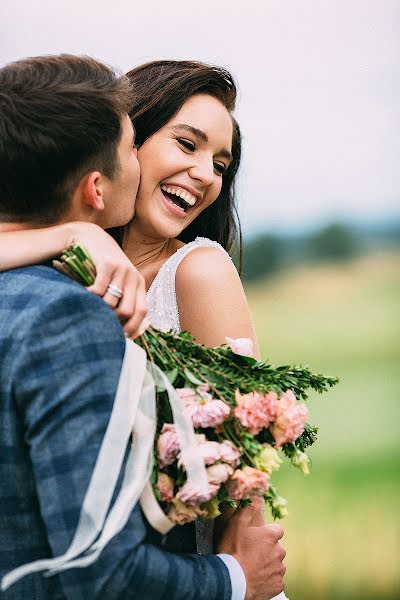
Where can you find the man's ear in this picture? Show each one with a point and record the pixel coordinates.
(92, 190)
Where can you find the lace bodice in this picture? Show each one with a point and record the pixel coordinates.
(161, 297)
(164, 315)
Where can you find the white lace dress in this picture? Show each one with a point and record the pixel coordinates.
(164, 315)
(161, 298)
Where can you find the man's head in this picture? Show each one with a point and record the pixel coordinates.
(66, 142)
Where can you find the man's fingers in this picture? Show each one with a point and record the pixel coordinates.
(253, 515)
(276, 532)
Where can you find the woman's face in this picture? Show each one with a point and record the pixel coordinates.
(182, 166)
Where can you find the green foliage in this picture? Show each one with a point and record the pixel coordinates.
(262, 256)
(341, 318)
(267, 254)
(186, 362)
(335, 242)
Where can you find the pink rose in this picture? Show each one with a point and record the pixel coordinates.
(247, 483)
(165, 486)
(243, 346)
(229, 453)
(181, 513)
(191, 495)
(255, 411)
(219, 473)
(208, 413)
(289, 420)
(167, 445)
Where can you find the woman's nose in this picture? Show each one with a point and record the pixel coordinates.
(203, 171)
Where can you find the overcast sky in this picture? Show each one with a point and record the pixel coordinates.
(319, 88)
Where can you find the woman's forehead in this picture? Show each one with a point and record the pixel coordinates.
(207, 115)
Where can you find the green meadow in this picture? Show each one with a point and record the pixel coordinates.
(343, 531)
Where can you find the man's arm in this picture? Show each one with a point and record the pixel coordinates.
(65, 379)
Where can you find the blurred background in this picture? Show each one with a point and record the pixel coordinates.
(319, 200)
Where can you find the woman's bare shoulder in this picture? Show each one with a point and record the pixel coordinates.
(206, 265)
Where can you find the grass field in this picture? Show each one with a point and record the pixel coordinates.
(343, 531)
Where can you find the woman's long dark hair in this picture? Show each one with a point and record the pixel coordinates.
(160, 89)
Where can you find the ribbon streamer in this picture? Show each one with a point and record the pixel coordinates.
(195, 470)
(134, 412)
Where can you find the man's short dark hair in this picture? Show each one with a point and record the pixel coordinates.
(60, 118)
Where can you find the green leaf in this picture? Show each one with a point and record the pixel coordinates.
(192, 378)
(172, 375)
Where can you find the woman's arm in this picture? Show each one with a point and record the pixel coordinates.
(31, 246)
(211, 300)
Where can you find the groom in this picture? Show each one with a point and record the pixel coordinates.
(67, 153)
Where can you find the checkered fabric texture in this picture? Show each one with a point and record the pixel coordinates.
(61, 351)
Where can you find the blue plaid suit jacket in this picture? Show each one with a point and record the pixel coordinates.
(61, 350)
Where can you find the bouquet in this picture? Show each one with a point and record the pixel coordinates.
(247, 417)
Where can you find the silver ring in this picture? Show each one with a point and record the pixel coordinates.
(115, 291)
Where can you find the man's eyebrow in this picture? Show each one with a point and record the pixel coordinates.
(200, 135)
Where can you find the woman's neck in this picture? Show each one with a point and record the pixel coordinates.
(146, 253)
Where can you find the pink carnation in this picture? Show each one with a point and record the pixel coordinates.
(243, 346)
(210, 452)
(289, 420)
(165, 486)
(247, 483)
(186, 394)
(181, 513)
(208, 413)
(191, 495)
(255, 411)
(229, 453)
(202, 408)
(167, 445)
(219, 473)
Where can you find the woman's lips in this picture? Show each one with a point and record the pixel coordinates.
(173, 208)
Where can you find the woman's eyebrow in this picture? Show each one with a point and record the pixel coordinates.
(197, 132)
(200, 135)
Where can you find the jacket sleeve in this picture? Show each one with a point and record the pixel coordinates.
(66, 376)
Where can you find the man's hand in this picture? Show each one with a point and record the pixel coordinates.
(256, 547)
(113, 268)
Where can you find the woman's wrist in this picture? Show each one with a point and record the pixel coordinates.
(74, 232)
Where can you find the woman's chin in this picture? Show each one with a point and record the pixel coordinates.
(163, 231)
(171, 233)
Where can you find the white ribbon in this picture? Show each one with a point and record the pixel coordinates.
(107, 468)
(195, 470)
(134, 411)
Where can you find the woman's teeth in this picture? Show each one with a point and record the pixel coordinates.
(180, 194)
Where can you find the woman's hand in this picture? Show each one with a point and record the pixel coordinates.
(113, 268)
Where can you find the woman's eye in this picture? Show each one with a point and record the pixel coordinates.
(186, 144)
(220, 168)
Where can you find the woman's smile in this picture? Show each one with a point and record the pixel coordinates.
(179, 199)
(182, 167)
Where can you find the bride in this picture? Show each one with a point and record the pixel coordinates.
(189, 154)
(184, 225)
